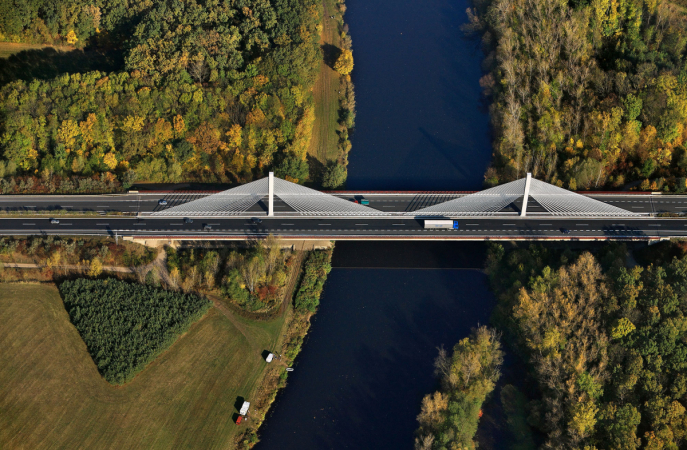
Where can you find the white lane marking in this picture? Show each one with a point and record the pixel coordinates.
(103, 224)
(65, 224)
(472, 224)
(581, 224)
(359, 224)
(321, 224)
(545, 224)
(139, 224)
(102, 206)
(654, 224)
(176, 224)
(398, 224)
(509, 224)
(28, 224)
(287, 224)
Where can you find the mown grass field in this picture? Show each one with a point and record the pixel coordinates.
(52, 396)
(8, 49)
(323, 144)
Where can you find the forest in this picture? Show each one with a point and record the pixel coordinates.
(125, 325)
(212, 91)
(604, 342)
(253, 278)
(586, 94)
(449, 417)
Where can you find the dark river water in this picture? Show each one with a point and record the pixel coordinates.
(368, 359)
(420, 123)
(367, 363)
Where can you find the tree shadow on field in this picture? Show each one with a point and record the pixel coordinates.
(47, 63)
(316, 172)
(330, 53)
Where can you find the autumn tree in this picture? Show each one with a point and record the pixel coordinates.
(449, 418)
(344, 63)
(95, 268)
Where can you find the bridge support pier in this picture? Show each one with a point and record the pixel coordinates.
(523, 211)
(270, 192)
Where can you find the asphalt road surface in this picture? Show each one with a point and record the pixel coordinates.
(386, 202)
(139, 223)
(530, 227)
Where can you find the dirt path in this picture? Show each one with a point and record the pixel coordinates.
(159, 262)
(67, 266)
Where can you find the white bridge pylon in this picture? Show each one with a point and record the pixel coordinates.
(556, 201)
(237, 201)
(304, 201)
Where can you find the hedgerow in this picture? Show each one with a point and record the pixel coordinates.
(317, 267)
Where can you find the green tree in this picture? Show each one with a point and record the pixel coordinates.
(292, 168)
(334, 176)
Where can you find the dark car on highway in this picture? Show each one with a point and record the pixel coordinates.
(565, 231)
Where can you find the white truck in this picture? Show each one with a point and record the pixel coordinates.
(442, 223)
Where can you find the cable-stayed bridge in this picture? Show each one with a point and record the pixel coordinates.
(299, 201)
(523, 209)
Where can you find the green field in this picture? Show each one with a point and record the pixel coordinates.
(52, 396)
(8, 49)
(323, 144)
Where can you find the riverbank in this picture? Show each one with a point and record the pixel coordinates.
(369, 356)
(297, 317)
(329, 145)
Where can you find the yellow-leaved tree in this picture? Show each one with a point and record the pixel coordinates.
(344, 64)
(110, 160)
(71, 38)
(96, 268)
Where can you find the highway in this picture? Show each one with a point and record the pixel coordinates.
(138, 223)
(353, 228)
(383, 201)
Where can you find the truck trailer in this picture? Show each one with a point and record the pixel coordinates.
(446, 224)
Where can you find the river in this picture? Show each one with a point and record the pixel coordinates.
(420, 122)
(368, 359)
(367, 362)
